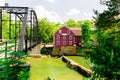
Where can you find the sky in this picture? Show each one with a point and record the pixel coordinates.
(60, 10)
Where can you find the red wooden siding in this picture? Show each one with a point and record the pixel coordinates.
(77, 40)
(65, 37)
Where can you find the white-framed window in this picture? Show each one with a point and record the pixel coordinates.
(58, 36)
(64, 37)
(58, 43)
(70, 37)
(64, 42)
(70, 42)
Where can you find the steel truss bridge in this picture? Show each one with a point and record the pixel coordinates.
(22, 25)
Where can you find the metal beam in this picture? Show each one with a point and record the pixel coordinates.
(22, 33)
(10, 26)
(1, 25)
(20, 16)
(15, 10)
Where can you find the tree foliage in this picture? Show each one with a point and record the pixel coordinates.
(9, 30)
(105, 57)
(5, 27)
(47, 29)
(11, 67)
(86, 33)
(71, 23)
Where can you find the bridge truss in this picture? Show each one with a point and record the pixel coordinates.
(22, 26)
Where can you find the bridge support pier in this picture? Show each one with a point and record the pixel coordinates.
(35, 52)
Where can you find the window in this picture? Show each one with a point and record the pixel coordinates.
(64, 37)
(70, 42)
(58, 43)
(70, 37)
(64, 42)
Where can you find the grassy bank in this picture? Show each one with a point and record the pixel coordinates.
(80, 60)
(42, 68)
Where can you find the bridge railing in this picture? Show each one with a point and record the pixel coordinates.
(7, 47)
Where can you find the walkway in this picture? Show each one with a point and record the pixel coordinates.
(35, 52)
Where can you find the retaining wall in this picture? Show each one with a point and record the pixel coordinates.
(75, 66)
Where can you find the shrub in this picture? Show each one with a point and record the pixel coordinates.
(10, 68)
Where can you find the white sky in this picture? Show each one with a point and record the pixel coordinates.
(2, 2)
(60, 10)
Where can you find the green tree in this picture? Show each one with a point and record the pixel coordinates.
(15, 29)
(71, 23)
(47, 29)
(9, 30)
(105, 57)
(5, 26)
(80, 22)
(86, 33)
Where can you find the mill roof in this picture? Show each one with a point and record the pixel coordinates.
(76, 31)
